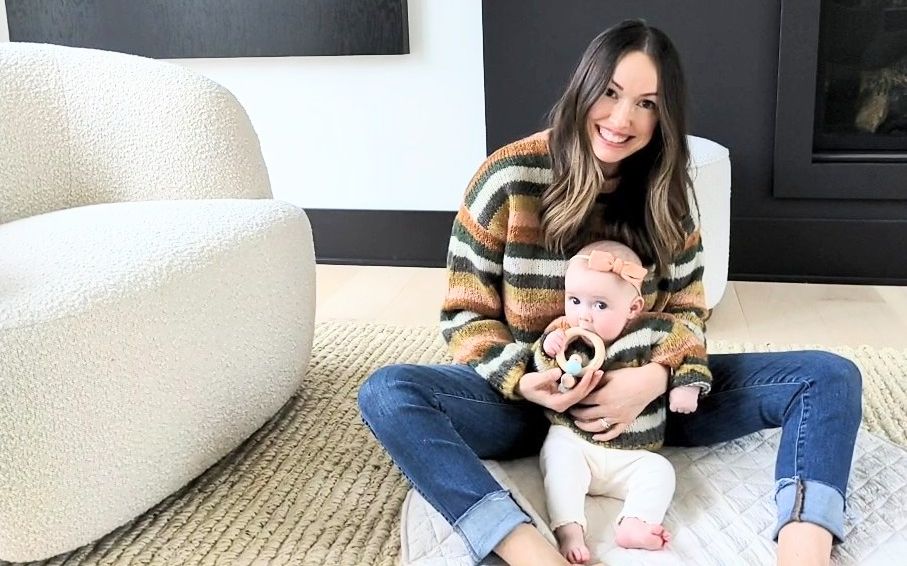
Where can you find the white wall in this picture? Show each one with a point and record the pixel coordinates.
(4, 28)
(396, 132)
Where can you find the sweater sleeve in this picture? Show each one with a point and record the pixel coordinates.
(684, 347)
(472, 315)
(541, 361)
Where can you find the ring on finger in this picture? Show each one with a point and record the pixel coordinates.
(605, 424)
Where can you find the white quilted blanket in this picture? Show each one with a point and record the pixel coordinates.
(722, 513)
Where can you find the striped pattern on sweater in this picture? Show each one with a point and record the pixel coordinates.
(633, 348)
(504, 287)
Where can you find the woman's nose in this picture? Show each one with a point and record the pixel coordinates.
(621, 113)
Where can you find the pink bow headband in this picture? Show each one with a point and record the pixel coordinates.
(607, 262)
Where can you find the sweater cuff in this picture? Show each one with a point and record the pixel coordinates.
(695, 374)
(505, 368)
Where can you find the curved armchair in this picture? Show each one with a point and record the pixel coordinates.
(156, 305)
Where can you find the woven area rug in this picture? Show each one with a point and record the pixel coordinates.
(313, 487)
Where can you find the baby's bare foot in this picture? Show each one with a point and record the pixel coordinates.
(572, 544)
(634, 533)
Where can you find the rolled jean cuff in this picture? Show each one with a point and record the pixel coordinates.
(486, 523)
(811, 502)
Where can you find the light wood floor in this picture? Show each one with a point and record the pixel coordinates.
(781, 313)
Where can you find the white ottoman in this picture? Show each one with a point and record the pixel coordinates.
(710, 169)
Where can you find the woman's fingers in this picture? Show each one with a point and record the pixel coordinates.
(602, 429)
(564, 401)
(611, 433)
(588, 383)
(547, 384)
(550, 375)
(595, 426)
(587, 413)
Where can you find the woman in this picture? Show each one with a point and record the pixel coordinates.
(611, 166)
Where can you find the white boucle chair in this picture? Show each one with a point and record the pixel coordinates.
(156, 305)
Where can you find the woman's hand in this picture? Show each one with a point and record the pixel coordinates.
(541, 389)
(626, 393)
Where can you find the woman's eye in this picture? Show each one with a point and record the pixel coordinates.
(648, 104)
(600, 305)
(610, 92)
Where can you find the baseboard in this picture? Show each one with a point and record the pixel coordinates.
(783, 278)
(411, 238)
(867, 252)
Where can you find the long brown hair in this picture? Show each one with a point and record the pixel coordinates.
(648, 209)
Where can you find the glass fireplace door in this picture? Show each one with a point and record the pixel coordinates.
(861, 81)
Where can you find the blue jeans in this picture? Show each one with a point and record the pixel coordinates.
(437, 422)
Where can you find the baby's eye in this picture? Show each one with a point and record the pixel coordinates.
(600, 305)
(573, 301)
(648, 104)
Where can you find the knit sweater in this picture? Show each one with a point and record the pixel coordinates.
(504, 286)
(633, 348)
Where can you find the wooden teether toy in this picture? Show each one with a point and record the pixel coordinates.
(572, 366)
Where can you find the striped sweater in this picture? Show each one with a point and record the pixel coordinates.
(633, 348)
(504, 287)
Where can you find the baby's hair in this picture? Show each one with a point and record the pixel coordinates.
(619, 250)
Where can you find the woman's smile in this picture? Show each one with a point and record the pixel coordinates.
(612, 138)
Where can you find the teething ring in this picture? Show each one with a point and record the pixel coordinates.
(590, 338)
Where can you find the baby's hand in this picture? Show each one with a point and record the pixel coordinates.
(555, 342)
(684, 399)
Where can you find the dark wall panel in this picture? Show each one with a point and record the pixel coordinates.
(170, 29)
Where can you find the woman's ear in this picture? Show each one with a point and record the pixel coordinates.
(636, 307)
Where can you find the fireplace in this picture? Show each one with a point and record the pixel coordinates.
(841, 122)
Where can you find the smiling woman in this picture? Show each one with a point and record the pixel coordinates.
(623, 119)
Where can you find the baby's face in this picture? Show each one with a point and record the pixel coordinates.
(597, 301)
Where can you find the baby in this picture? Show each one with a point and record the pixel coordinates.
(603, 296)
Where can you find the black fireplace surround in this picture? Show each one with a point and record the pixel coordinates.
(841, 121)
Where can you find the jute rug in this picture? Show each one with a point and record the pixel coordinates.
(313, 487)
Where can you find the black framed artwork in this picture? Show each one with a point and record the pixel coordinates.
(174, 29)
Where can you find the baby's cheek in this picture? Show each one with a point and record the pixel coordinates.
(610, 326)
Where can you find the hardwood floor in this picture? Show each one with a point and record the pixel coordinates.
(781, 313)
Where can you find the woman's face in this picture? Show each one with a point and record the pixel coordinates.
(622, 121)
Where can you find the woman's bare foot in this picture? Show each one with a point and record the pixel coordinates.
(804, 544)
(633, 533)
(525, 546)
(572, 543)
